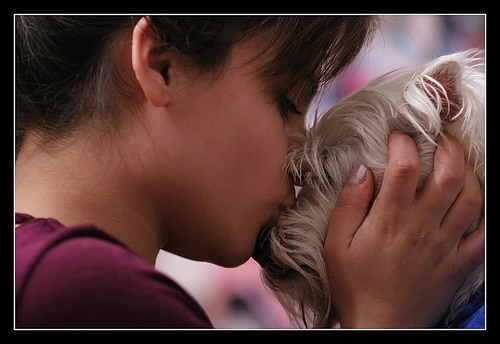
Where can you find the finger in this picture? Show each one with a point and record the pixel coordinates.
(466, 209)
(446, 181)
(472, 248)
(401, 176)
(351, 208)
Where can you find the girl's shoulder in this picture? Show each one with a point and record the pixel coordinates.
(83, 277)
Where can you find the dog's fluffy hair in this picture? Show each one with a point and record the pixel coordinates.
(448, 93)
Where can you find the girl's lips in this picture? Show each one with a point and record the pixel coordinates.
(261, 251)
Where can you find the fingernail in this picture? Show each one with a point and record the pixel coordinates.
(357, 174)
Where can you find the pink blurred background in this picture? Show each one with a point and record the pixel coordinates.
(235, 298)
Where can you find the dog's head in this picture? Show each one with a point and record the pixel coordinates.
(447, 93)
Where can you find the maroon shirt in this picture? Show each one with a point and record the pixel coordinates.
(80, 277)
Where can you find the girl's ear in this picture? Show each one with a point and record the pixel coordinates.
(151, 65)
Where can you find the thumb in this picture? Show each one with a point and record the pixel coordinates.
(351, 208)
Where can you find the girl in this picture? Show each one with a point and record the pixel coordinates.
(141, 133)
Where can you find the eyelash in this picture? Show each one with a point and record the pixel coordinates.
(287, 107)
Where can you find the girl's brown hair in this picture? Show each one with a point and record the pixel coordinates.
(68, 67)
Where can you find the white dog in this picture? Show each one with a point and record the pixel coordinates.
(448, 92)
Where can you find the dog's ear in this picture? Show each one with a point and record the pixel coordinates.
(445, 88)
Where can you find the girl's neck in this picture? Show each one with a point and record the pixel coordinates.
(84, 183)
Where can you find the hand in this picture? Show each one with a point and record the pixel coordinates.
(399, 266)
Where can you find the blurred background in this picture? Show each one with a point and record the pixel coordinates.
(235, 298)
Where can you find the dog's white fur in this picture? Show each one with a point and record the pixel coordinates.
(447, 93)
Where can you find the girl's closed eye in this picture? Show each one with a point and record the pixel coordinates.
(287, 107)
